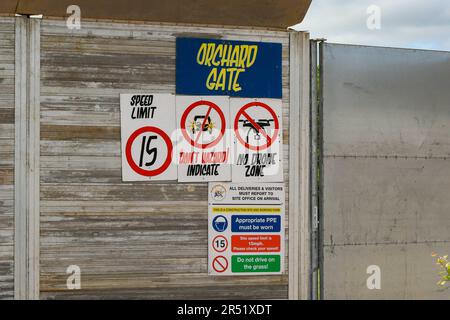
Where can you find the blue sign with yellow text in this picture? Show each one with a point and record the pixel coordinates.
(232, 68)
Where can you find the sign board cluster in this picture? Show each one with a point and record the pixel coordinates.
(246, 228)
(223, 125)
(200, 139)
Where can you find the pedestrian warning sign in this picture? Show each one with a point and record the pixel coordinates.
(147, 123)
(203, 150)
(257, 126)
(246, 230)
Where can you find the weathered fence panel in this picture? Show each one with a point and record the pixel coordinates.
(130, 240)
(7, 116)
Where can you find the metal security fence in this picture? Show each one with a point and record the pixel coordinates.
(386, 169)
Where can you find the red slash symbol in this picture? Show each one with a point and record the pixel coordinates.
(220, 264)
(211, 106)
(256, 126)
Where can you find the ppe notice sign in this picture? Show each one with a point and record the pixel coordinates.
(203, 149)
(245, 228)
(258, 145)
(147, 124)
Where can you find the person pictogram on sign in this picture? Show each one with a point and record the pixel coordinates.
(220, 223)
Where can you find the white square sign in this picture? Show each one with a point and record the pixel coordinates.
(258, 144)
(147, 125)
(246, 229)
(203, 148)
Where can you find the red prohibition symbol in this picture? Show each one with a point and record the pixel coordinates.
(220, 264)
(132, 163)
(194, 142)
(243, 112)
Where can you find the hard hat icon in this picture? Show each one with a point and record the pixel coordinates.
(220, 223)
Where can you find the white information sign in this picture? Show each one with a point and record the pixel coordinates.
(147, 124)
(246, 228)
(203, 149)
(258, 144)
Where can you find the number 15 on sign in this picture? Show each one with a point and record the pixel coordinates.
(147, 123)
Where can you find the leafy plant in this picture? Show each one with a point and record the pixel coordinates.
(444, 264)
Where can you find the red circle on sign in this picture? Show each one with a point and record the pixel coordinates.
(217, 238)
(241, 112)
(211, 106)
(134, 166)
(220, 264)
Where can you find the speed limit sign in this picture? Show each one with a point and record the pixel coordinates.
(220, 244)
(147, 124)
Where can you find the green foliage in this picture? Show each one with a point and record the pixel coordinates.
(444, 264)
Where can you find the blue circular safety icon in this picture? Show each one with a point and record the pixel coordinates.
(220, 223)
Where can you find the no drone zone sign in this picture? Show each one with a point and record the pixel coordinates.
(147, 124)
(257, 131)
(203, 150)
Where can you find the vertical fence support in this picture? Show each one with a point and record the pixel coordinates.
(320, 156)
(299, 170)
(315, 173)
(26, 178)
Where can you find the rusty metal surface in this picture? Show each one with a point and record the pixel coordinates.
(268, 13)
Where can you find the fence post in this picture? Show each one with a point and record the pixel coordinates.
(26, 179)
(299, 169)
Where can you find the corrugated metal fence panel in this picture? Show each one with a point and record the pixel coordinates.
(7, 58)
(131, 240)
(386, 167)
